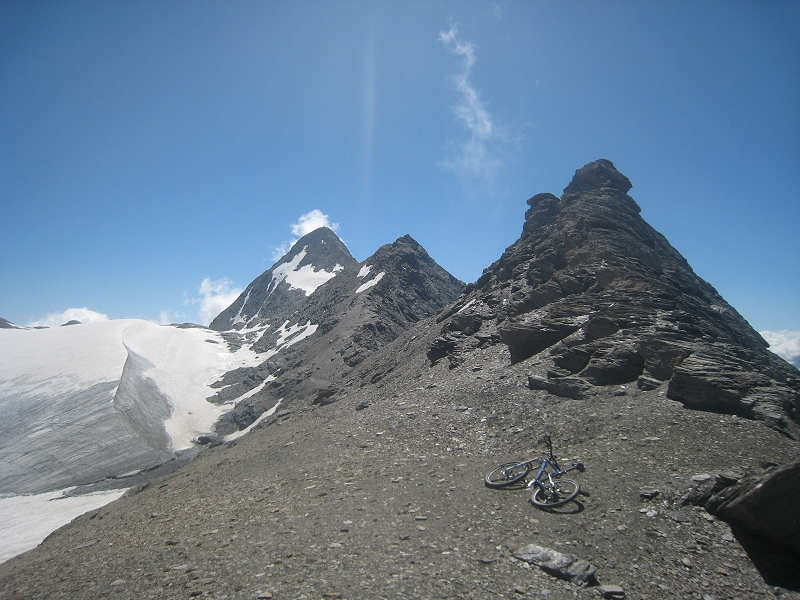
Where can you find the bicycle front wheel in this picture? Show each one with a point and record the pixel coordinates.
(506, 474)
(558, 494)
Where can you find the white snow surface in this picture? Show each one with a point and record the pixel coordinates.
(365, 271)
(306, 278)
(38, 364)
(370, 283)
(26, 520)
(186, 364)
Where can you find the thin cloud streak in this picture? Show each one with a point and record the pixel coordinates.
(471, 156)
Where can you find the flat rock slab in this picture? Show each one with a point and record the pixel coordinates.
(563, 566)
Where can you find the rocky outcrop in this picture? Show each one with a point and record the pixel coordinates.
(601, 298)
(763, 504)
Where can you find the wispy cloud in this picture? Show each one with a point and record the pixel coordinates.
(215, 296)
(305, 224)
(84, 315)
(471, 155)
(785, 344)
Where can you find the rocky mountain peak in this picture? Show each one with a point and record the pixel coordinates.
(598, 175)
(594, 296)
(313, 260)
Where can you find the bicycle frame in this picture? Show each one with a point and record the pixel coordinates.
(552, 461)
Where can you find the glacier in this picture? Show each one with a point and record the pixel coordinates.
(101, 400)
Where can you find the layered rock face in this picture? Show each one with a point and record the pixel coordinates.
(600, 298)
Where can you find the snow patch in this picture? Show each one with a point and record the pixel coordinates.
(252, 392)
(264, 415)
(365, 270)
(293, 334)
(466, 306)
(184, 366)
(40, 364)
(26, 520)
(305, 278)
(238, 318)
(370, 283)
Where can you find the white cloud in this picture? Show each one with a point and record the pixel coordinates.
(305, 224)
(785, 344)
(472, 156)
(84, 315)
(215, 296)
(311, 221)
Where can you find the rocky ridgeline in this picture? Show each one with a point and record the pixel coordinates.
(598, 297)
(360, 310)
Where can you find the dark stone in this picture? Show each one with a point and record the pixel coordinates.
(765, 505)
(207, 438)
(563, 566)
(619, 364)
(599, 327)
(573, 360)
(615, 303)
(566, 387)
(661, 357)
(526, 339)
(440, 347)
(646, 384)
(325, 395)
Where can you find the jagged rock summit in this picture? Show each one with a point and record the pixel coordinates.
(592, 296)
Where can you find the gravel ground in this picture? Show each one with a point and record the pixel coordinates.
(381, 495)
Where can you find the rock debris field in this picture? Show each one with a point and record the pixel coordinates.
(381, 495)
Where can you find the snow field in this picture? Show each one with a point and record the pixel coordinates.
(26, 520)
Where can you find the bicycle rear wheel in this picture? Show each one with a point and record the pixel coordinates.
(506, 474)
(562, 491)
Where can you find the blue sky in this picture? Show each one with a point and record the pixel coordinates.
(151, 149)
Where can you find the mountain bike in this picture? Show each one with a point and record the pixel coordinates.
(551, 489)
